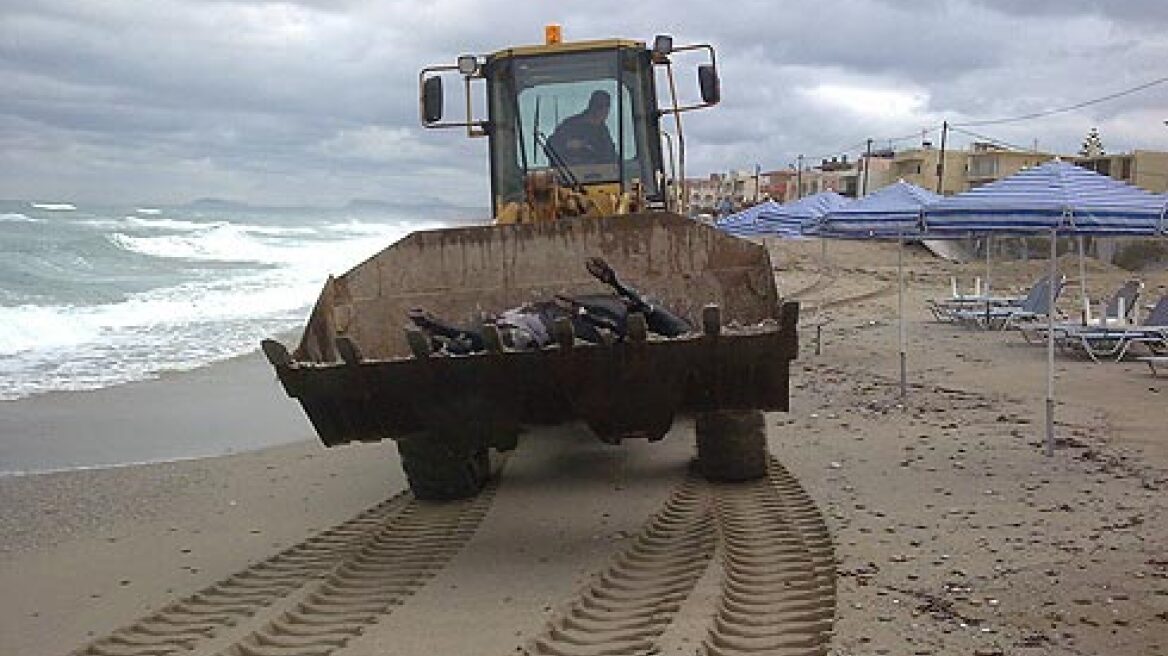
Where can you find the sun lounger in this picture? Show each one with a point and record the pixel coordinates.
(1115, 342)
(1035, 306)
(947, 309)
(1154, 361)
(1117, 312)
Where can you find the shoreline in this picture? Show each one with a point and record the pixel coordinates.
(227, 407)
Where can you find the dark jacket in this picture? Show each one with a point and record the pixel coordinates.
(580, 141)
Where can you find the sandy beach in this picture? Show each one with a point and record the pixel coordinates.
(950, 531)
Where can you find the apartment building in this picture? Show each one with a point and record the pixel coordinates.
(986, 162)
(922, 167)
(980, 163)
(1147, 169)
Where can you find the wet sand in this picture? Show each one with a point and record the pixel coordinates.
(232, 406)
(953, 533)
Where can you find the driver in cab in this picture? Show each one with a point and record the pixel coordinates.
(584, 138)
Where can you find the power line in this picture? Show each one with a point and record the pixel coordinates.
(1069, 108)
(862, 144)
(997, 121)
(992, 140)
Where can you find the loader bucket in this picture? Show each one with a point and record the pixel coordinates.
(358, 379)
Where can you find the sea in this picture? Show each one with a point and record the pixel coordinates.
(93, 297)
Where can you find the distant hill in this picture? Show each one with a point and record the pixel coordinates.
(215, 204)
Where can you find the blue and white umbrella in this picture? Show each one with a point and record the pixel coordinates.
(890, 212)
(791, 220)
(746, 222)
(799, 218)
(1055, 198)
(1055, 195)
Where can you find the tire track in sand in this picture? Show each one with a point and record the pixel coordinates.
(397, 560)
(778, 587)
(776, 565)
(182, 625)
(631, 602)
(368, 564)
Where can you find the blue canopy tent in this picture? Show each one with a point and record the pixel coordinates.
(1055, 198)
(798, 218)
(892, 212)
(746, 222)
(790, 220)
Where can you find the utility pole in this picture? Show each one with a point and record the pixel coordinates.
(757, 181)
(799, 177)
(941, 161)
(867, 165)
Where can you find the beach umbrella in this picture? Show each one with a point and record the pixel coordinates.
(790, 220)
(746, 222)
(1055, 198)
(799, 217)
(892, 212)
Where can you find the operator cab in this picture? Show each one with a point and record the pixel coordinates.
(575, 128)
(531, 96)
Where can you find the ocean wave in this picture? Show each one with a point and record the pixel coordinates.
(48, 329)
(177, 225)
(266, 245)
(184, 225)
(362, 228)
(181, 328)
(221, 242)
(25, 328)
(54, 207)
(203, 312)
(17, 217)
(290, 280)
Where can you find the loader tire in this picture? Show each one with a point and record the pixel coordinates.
(731, 445)
(439, 470)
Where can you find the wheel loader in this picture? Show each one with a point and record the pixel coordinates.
(363, 372)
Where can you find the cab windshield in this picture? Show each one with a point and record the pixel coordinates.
(586, 116)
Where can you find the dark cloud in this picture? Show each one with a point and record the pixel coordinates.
(316, 100)
(1140, 13)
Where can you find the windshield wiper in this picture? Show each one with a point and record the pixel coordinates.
(558, 162)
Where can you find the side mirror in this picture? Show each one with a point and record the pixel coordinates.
(662, 45)
(468, 65)
(432, 100)
(709, 84)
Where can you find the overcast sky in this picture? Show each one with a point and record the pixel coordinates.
(315, 102)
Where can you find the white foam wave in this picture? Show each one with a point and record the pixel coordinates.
(222, 242)
(68, 347)
(148, 210)
(267, 245)
(32, 327)
(365, 228)
(176, 225)
(183, 225)
(181, 328)
(17, 217)
(55, 207)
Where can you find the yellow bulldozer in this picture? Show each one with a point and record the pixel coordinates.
(590, 298)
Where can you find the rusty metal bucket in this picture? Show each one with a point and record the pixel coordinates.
(358, 380)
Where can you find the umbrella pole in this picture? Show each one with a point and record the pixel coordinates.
(986, 288)
(1083, 284)
(1050, 345)
(900, 314)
